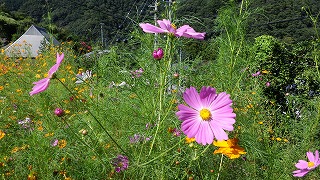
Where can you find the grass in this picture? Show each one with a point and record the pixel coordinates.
(101, 116)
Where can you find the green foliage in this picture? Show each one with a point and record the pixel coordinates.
(285, 20)
(289, 69)
(112, 112)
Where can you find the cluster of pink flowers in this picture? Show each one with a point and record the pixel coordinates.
(137, 73)
(121, 163)
(136, 138)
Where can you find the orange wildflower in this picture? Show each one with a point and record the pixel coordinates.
(2, 134)
(229, 148)
(62, 143)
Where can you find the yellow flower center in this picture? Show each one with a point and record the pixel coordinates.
(310, 164)
(205, 114)
(173, 26)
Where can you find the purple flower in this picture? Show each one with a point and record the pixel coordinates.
(26, 124)
(158, 53)
(304, 167)
(54, 142)
(148, 138)
(137, 73)
(136, 138)
(139, 138)
(120, 163)
(167, 27)
(256, 74)
(207, 115)
(176, 132)
(149, 125)
(267, 84)
(43, 84)
(59, 112)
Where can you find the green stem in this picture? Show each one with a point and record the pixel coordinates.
(95, 118)
(220, 166)
(162, 88)
(85, 143)
(160, 155)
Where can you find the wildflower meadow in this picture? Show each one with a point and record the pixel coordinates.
(148, 109)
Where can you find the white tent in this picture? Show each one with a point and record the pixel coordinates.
(29, 44)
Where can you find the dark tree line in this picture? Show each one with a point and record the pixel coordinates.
(84, 19)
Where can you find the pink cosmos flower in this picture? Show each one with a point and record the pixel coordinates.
(167, 27)
(304, 167)
(208, 116)
(43, 84)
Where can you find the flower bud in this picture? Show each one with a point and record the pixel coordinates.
(176, 75)
(158, 53)
(83, 132)
(59, 112)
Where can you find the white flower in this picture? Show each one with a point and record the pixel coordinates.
(83, 76)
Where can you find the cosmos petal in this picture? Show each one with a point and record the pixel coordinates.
(40, 86)
(192, 98)
(59, 58)
(190, 129)
(189, 32)
(300, 172)
(218, 132)
(43, 84)
(166, 25)
(149, 28)
(310, 156)
(302, 164)
(207, 95)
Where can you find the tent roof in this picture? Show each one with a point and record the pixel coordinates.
(29, 44)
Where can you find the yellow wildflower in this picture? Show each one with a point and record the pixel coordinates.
(249, 106)
(49, 134)
(40, 128)
(133, 95)
(15, 149)
(62, 143)
(2, 134)
(229, 148)
(190, 140)
(1, 88)
(107, 146)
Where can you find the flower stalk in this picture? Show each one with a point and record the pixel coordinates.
(96, 119)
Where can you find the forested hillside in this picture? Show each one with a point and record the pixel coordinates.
(111, 20)
(287, 20)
